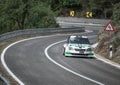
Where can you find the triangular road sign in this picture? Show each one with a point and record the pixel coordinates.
(109, 27)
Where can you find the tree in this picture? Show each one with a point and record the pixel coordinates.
(14, 13)
(116, 12)
(40, 15)
(24, 14)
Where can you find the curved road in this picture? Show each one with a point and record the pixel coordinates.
(31, 65)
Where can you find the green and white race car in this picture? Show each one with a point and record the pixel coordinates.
(78, 46)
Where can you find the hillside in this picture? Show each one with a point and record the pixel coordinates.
(103, 48)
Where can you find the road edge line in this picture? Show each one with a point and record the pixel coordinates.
(5, 65)
(65, 68)
(5, 49)
(105, 60)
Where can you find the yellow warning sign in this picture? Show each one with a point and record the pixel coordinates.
(72, 13)
(89, 14)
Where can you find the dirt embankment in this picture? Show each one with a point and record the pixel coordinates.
(104, 40)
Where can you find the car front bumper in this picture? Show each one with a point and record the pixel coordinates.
(84, 54)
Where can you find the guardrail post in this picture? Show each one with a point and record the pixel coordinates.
(3, 80)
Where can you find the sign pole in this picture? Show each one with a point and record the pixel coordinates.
(110, 47)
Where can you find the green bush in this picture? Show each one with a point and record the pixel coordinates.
(25, 14)
(40, 16)
(116, 12)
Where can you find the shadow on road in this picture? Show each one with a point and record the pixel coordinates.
(82, 57)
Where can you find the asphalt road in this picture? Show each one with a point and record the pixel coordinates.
(27, 60)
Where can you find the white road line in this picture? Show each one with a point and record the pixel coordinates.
(4, 51)
(4, 63)
(3, 59)
(6, 67)
(46, 53)
(105, 60)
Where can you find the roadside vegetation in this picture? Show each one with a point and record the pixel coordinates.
(29, 14)
(99, 8)
(25, 14)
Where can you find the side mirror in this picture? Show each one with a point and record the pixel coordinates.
(65, 45)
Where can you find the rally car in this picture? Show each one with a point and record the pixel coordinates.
(78, 46)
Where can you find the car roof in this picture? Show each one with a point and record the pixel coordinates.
(74, 36)
(78, 39)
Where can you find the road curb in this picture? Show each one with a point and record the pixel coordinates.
(105, 60)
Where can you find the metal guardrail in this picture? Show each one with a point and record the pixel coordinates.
(82, 20)
(42, 31)
(3, 81)
(72, 21)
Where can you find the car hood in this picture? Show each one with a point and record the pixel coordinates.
(80, 45)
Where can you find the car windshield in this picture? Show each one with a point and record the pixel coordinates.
(80, 40)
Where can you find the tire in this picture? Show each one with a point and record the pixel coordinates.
(66, 56)
(64, 51)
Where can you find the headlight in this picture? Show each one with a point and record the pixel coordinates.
(71, 48)
(89, 49)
